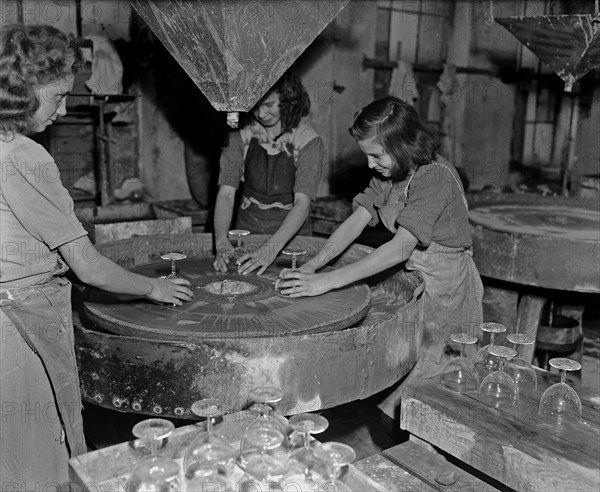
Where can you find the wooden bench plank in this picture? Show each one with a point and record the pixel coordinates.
(389, 475)
(521, 450)
(433, 469)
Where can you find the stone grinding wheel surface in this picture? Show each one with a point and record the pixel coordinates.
(539, 220)
(217, 312)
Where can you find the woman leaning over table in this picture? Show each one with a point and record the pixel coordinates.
(40, 239)
(417, 195)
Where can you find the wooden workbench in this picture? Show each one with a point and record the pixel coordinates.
(522, 450)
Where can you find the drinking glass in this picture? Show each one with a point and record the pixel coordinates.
(294, 254)
(209, 463)
(560, 402)
(266, 418)
(208, 445)
(460, 374)
(498, 389)
(265, 467)
(236, 239)
(484, 361)
(154, 472)
(307, 424)
(334, 455)
(518, 368)
(173, 257)
(152, 436)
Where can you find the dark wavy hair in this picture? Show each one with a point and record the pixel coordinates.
(294, 102)
(399, 130)
(31, 56)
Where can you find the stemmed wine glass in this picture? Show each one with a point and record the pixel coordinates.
(334, 455)
(518, 368)
(560, 401)
(173, 257)
(266, 467)
(236, 238)
(307, 424)
(484, 361)
(498, 389)
(460, 374)
(208, 446)
(264, 397)
(154, 472)
(294, 253)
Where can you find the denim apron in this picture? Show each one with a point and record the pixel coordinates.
(268, 191)
(451, 301)
(42, 315)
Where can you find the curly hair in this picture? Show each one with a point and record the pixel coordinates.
(31, 56)
(294, 102)
(399, 130)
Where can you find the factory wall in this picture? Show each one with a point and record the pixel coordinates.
(497, 127)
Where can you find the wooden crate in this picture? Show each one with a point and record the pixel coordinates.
(107, 469)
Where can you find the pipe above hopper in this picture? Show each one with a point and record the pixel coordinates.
(235, 50)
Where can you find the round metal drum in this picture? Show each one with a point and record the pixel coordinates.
(321, 352)
(549, 242)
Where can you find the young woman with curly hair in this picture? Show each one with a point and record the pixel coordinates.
(279, 159)
(40, 239)
(418, 196)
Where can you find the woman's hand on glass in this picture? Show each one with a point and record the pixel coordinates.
(296, 283)
(170, 290)
(224, 251)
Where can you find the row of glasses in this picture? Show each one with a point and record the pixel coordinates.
(273, 449)
(265, 453)
(499, 374)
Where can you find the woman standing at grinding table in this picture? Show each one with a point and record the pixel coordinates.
(39, 388)
(418, 196)
(279, 158)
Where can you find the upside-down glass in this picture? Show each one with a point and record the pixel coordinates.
(518, 368)
(264, 417)
(460, 374)
(307, 424)
(334, 455)
(294, 254)
(198, 454)
(484, 362)
(236, 239)
(266, 467)
(498, 389)
(561, 402)
(203, 468)
(154, 472)
(173, 257)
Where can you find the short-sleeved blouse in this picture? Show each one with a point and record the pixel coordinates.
(36, 213)
(434, 206)
(302, 143)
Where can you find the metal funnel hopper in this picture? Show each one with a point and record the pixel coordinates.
(235, 50)
(568, 44)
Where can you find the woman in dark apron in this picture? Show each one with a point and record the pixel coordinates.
(418, 196)
(41, 239)
(278, 160)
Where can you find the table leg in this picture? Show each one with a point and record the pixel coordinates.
(529, 313)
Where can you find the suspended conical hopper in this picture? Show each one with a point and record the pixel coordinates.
(235, 50)
(568, 44)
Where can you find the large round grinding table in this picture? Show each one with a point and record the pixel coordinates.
(228, 305)
(537, 241)
(135, 356)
